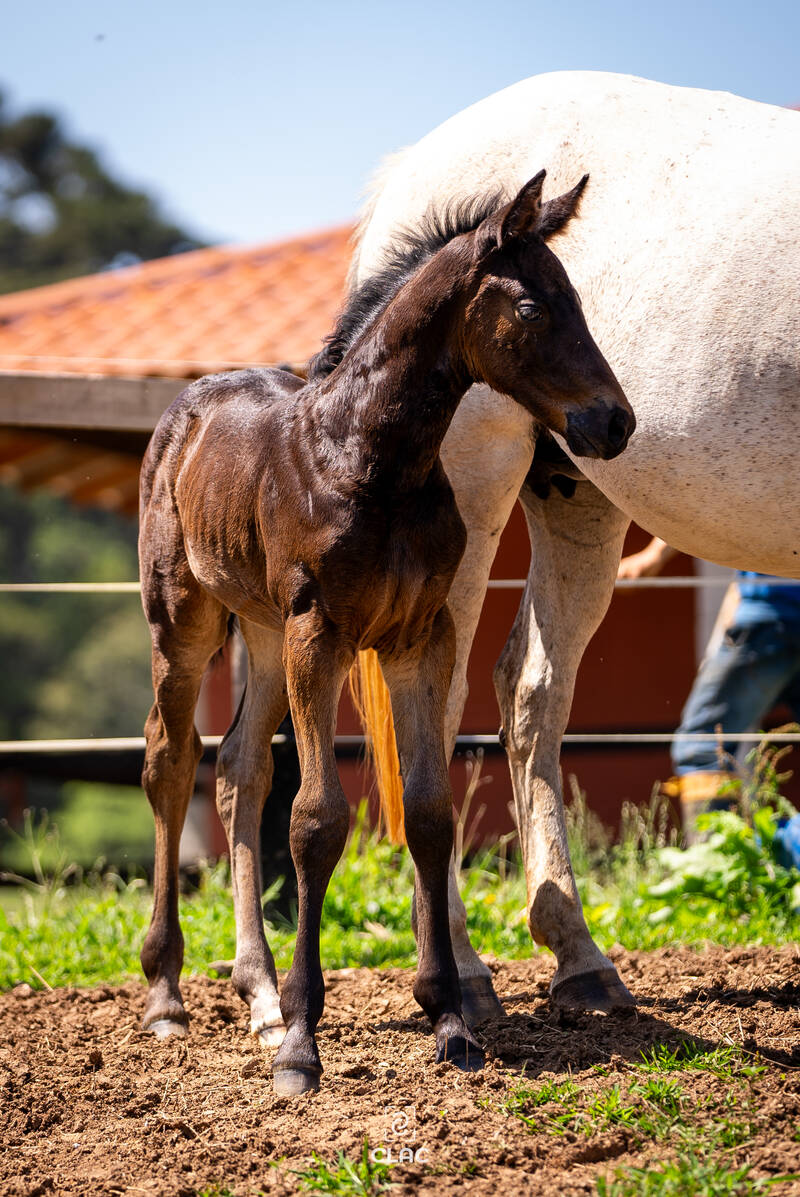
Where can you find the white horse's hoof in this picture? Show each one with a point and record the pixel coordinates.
(162, 1028)
(266, 1020)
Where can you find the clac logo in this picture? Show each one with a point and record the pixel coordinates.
(399, 1133)
(406, 1155)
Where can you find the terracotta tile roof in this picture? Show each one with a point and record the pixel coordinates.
(181, 317)
(178, 317)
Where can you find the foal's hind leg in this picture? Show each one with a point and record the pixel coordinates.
(419, 686)
(244, 779)
(316, 667)
(187, 627)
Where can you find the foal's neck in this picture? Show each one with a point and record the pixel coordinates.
(391, 400)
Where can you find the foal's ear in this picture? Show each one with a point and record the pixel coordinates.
(523, 214)
(517, 219)
(556, 212)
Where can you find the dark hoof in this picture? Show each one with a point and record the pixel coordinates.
(462, 1052)
(291, 1082)
(597, 991)
(479, 1001)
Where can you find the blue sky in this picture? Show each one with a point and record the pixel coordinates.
(255, 120)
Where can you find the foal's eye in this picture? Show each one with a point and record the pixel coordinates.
(531, 312)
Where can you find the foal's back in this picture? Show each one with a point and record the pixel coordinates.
(222, 405)
(201, 478)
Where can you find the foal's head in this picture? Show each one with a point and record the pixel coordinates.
(524, 332)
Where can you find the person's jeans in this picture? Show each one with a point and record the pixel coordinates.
(755, 665)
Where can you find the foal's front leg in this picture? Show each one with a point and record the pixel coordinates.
(419, 685)
(316, 667)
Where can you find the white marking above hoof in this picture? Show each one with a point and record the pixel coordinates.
(270, 1036)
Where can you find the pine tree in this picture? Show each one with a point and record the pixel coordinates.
(61, 212)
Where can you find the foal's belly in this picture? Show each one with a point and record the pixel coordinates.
(239, 586)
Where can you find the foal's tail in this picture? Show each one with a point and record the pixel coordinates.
(374, 707)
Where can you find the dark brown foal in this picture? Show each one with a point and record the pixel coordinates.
(320, 515)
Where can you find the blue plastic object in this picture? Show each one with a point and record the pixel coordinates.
(787, 842)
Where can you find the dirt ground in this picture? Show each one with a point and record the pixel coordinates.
(89, 1104)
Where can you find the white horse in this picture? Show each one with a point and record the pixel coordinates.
(686, 258)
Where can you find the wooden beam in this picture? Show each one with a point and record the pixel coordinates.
(78, 401)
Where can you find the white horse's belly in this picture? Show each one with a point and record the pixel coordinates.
(686, 257)
(737, 510)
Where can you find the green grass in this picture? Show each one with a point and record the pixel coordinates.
(660, 1115)
(727, 1062)
(693, 1174)
(649, 1110)
(70, 927)
(363, 1176)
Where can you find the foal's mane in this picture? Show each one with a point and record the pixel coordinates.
(411, 249)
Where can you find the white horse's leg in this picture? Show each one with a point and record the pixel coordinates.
(576, 546)
(486, 453)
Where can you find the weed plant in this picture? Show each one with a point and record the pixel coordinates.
(697, 1136)
(363, 1176)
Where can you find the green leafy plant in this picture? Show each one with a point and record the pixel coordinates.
(734, 866)
(364, 1175)
(695, 1173)
(726, 1062)
(523, 1098)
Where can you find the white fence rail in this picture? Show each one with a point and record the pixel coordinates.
(690, 583)
(132, 743)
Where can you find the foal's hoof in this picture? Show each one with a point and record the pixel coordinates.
(462, 1052)
(597, 991)
(162, 1028)
(291, 1082)
(479, 1001)
(270, 1036)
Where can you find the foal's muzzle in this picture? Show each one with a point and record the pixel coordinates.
(600, 431)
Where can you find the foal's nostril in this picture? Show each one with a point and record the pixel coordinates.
(618, 428)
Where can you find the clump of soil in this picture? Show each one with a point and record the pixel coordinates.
(90, 1104)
